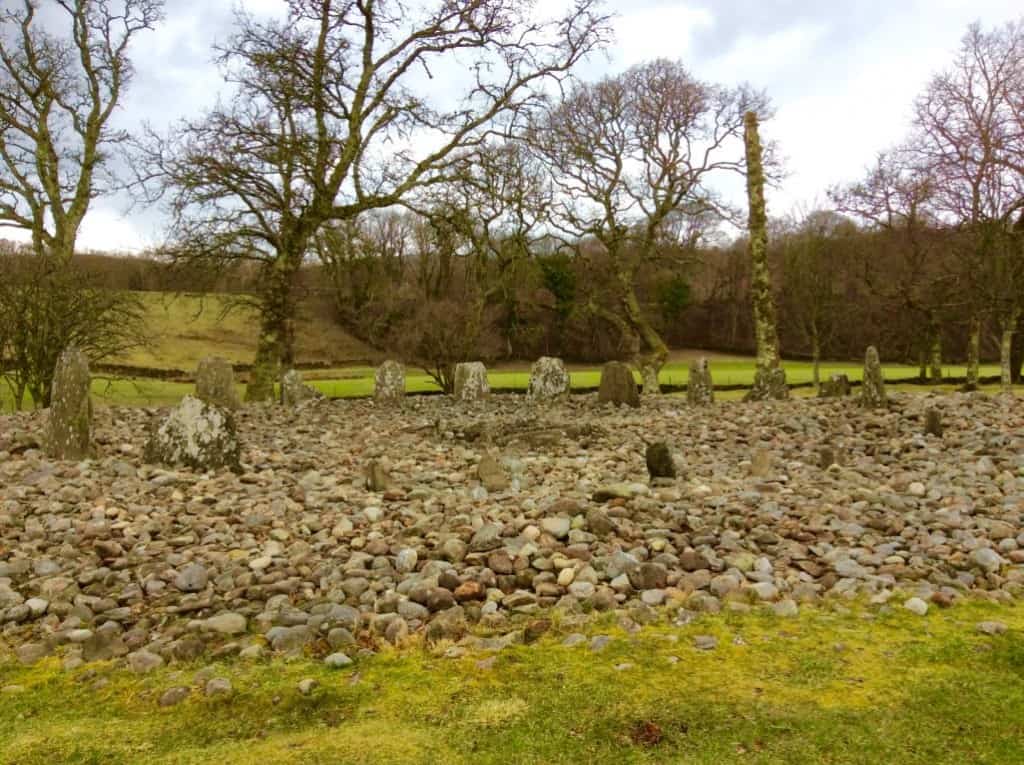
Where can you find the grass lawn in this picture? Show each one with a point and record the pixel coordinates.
(826, 687)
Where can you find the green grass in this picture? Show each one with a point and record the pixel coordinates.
(823, 688)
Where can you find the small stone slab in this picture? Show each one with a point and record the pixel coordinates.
(549, 380)
(617, 385)
(389, 383)
(471, 382)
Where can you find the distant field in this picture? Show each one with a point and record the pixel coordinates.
(185, 328)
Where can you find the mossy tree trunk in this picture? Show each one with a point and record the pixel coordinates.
(769, 379)
(935, 355)
(275, 347)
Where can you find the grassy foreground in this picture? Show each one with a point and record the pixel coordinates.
(825, 687)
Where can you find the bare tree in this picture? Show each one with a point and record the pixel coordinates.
(967, 134)
(61, 78)
(335, 113)
(628, 154)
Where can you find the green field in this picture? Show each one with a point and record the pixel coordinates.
(183, 329)
(826, 687)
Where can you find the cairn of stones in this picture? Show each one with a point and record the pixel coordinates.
(215, 382)
(196, 435)
(549, 380)
(294, 391)
(836, 386)
(389, 383)
(69, 425)
(471, 382)
(699, 389)
(617, 385)
(872, 392)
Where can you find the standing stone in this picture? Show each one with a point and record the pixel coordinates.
(873, 388)
(69, 425)
(699, 389)
(549, 379)
(197, 435)
(649, 375)
(617, 385)
(769, 384)
(389, 383)
(294, 391)
(491, 474)
(659, 461)
(471, 382)
(215, 383)
(933, 422)
(377, 477)
(836, 386)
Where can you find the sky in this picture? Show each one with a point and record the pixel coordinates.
(842, 75)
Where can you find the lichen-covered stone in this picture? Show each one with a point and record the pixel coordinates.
(549, 379)
(471, 382)
(872, 392)
(215, 382)
(769, 384)
(700, 391)
(836, 386)
(195, 434)
(649, 375)
(617, 385)
(69, 424)
(933, 422)
(659, 461)
(389, 383)
(294, 391)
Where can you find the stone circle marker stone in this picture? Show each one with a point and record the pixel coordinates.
(196, 435)
(700, 390)
(69, 424)
(294, 391)
(769, 384)
(659, 461)
(933, 422)
(649, 375)
(389, 383)
(617, 385)
(471, 382)
(215, 382)
(872, 393)
(836, 386)
(549, 380)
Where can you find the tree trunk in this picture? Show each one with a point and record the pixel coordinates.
(656, 350)
(275, 348)
(816, 358)
(769, 380)
(973, 353)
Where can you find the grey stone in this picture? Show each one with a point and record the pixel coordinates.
(933, 422)
(218, 686)
(659, 461)
(215, 383)
(69, 423)
(872, 391)
(294, 391)
(557, 526)
(307, 686)
(192, 578)
(549, 380)
(916, 606)
(617, 385)
(471, 382)
(705, 642)
(142, 662)
(836, 386)
(987, 559)
(226, 624)
(700, 390)
(337, 660)
(173, 696)
(991, 628)
(649, 376)
(491, 474)
(769, 384)
(197, 435)
(389, 383)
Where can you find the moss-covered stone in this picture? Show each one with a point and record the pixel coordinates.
(197, 435)
(69, 424)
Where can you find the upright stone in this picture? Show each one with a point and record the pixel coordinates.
(389, 383)
(69, 425)
(649, 375)
(549, 379)
(617, 385)
(471, 382)
(769, 384)
(293, 390)
(836, 386)
(873, 387)
(659, 461)
(197, 435)
(699, 389)
(933, 422)
(215, 382)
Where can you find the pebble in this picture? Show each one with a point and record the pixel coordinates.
(916, 606)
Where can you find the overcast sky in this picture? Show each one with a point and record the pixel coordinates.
(841, 73)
